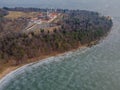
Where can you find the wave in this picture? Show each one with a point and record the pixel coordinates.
(5, 80)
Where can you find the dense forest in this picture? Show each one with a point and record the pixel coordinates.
(78, 28)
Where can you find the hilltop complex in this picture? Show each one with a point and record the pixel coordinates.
(30, 33)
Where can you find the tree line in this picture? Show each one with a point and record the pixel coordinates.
(78, 27)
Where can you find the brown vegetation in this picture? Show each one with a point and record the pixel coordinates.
(18, 14)
(76, 28)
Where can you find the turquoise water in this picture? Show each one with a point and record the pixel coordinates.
(95, 68)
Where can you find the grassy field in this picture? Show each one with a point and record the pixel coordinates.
(16, 14)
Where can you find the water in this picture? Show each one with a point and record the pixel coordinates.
(110, 7)
(96, 68)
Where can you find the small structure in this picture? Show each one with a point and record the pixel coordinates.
(108, 17)
(44, 18)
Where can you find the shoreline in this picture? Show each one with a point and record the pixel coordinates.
(7, 67)
(10, 69)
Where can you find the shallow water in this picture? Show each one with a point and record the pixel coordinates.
(96, 68)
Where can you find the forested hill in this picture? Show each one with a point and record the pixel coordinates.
(86, 26)
(76, 28)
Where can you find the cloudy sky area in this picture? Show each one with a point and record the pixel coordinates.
(98, 5)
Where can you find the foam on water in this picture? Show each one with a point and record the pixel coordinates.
(6, 80)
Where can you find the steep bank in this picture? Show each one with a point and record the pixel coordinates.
(8, 68)
(78, 28)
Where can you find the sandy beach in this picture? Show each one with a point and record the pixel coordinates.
(9, 69)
